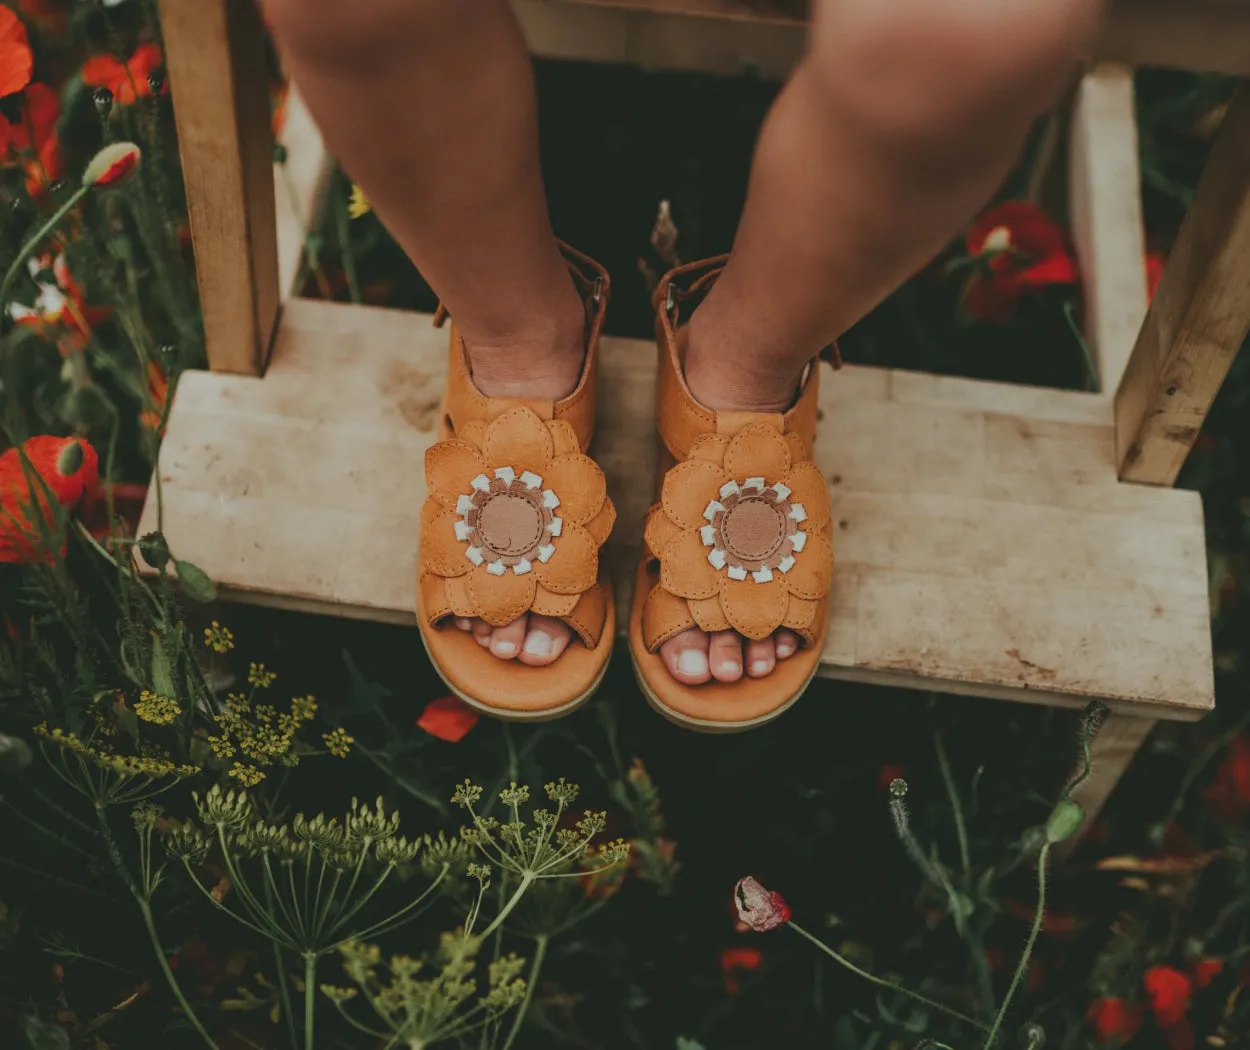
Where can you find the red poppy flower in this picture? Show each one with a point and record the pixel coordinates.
(16, 61)
(1206, 970)
(126, 80)
(66, 472)
(113, 165)
(1155, 262)
(736, 960)
(1114, 1020)
(50, 17)
(60, 310)
(760, 908)
(1021, 249)
(448, 718)
(1169, 992)
(1229, 795)
(34, 138)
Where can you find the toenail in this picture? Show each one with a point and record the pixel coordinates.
(504, 647)
(729, 667)
(538, 643)
(760, 666)
(692, 661)
(784, 649)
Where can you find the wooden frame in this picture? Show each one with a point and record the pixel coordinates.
(993, 552)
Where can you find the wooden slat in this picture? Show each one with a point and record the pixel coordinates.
(984, 544)
(1104, 195)
(1199, 317)
(724, 36)
(299, 189)
(216, 55)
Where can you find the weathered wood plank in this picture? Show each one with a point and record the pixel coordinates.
(216, 55)
(1198, 320)
(1104, 200)
(984, 544)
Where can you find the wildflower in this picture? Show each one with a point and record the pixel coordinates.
(1229, 795)
(448, 718)
(1169, 992)
(16, 61)
(112, 165)
(130, 80)
(359, 204)
(34, 138)
(221, 746)
(159, 710)
(154, 409)
(338, 743)
(220, 639)
(60, 308)
(735, 960)
(1206, 970)
(1155, 262)
(67, 467)
(303, 707)
(258, 676)
(248, 776)
(1021, 248)
(761, 909)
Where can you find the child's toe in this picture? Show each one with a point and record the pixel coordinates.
(545, 639)
(761, 657)
(505, 642)
(685, 656)
(725, 656)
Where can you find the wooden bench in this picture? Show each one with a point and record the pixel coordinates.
(992, 539)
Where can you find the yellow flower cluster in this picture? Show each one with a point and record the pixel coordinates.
(258, 676)
(159, 710)
(359, 204)
(151, 765)
(338, 743)
(259, 732)
(220, 639)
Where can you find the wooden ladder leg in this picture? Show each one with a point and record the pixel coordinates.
(1199, 317)
(215, 50)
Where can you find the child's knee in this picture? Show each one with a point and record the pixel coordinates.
(365, 30)
(913, 64)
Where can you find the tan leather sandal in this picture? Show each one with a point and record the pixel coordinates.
(740, 537)
(513, 521)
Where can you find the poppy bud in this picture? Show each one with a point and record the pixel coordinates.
(156, 81)
(102, 99)
(113, 165)
(760, 908)
(1065, 820)
(69, 459)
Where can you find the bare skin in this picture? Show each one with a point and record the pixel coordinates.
(895, 129)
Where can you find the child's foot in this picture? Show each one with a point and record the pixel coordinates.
(543, 364)
(694, 657)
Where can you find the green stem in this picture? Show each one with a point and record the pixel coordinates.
(540, 951)
(310, 1001)
(1038, 916)
(280, 965)
(150, 925)
(29, 247)
(956, 806)
(343, 229)
(506, 910)
(880, 982)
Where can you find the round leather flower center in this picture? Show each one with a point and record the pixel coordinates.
(507, 521)
(753, 530)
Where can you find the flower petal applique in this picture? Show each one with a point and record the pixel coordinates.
(441, 551)
(572, 564)
(710, 447)
(500, 599)
(450, 467)
(663, 616)
(812, 572)
(519, 439)
(579, 483)
(808, 489)
(600, 526)
(684, 568)
(687, 489)
(548, 603)
(660, 531)
(757, 450)
(754, 609)
(709, 615)
(563, 438)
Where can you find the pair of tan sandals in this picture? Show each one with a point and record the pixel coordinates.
(517, 512)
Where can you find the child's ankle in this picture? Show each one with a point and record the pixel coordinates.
(720, 383)
(541, 357)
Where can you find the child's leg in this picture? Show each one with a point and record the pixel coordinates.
(901, 122)
(430, 105)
